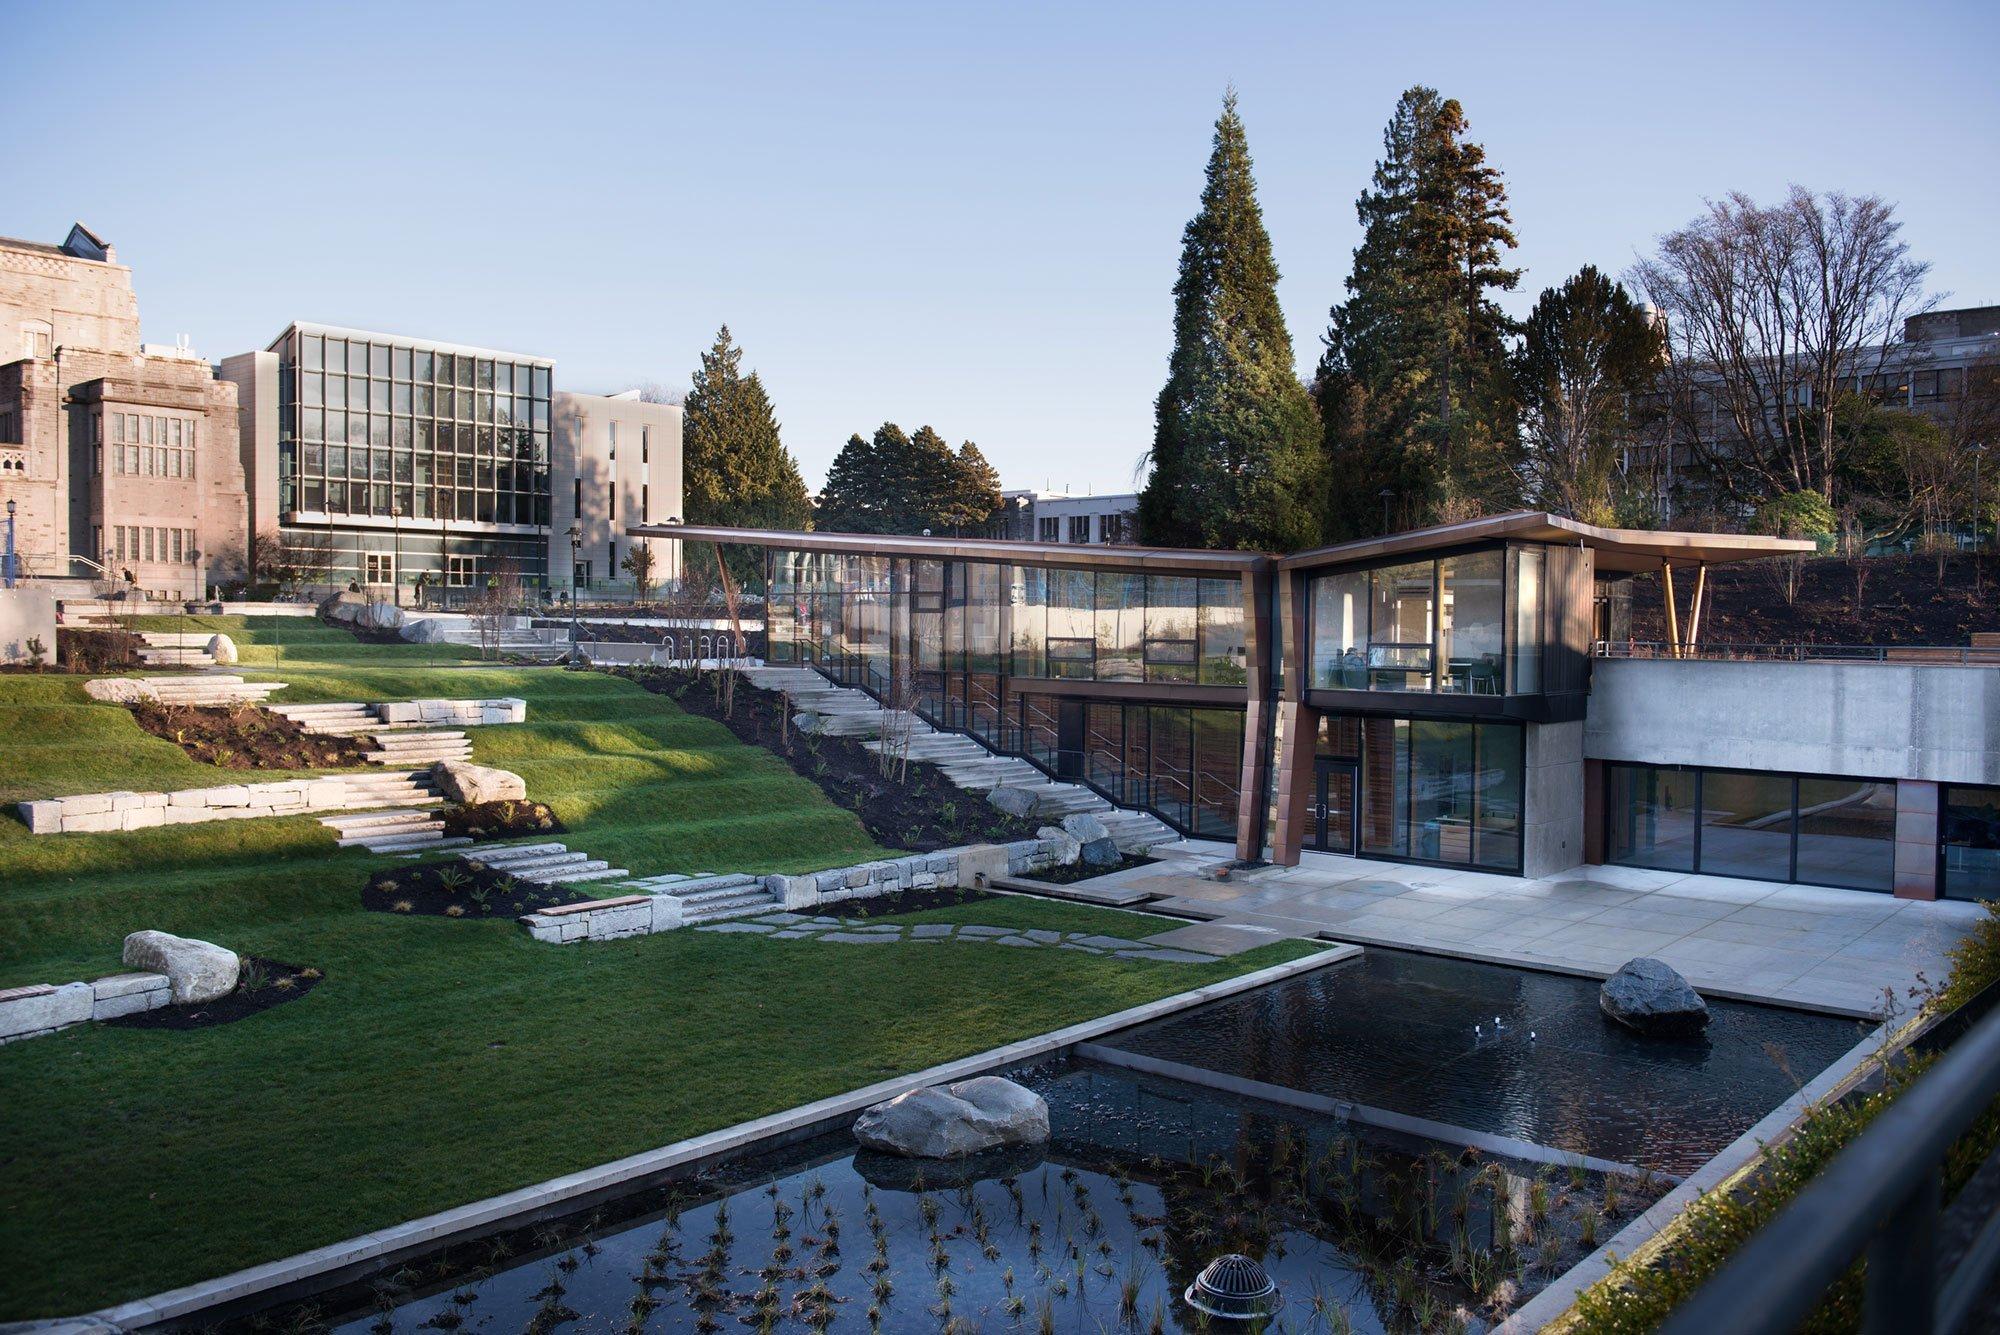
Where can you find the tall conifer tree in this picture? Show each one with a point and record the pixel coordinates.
(1236, 449)
(1413, 387)
(736, 470)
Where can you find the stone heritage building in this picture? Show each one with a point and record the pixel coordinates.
(120, 458)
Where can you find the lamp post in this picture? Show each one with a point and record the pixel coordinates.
(9, 564)
(1978, 449)
(575, 554)
(1387, 494)
(396, 564)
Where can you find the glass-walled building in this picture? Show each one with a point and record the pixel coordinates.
(1132, 680)
(400, 462)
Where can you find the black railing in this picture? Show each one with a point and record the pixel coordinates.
(1880, 1196)
(1957, 654)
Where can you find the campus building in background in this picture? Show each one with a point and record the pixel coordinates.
(1446, 697)
(120, 458)
(1054, 516)
(437, 468)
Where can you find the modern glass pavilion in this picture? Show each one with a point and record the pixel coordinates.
(1417, 697)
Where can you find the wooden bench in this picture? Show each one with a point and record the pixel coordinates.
(590, 905)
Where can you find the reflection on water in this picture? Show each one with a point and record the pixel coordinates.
(1145, 1182)
(1396, 1030)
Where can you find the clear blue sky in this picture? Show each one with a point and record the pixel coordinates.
(925, 212)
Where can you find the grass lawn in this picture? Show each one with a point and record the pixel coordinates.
(442, 1061)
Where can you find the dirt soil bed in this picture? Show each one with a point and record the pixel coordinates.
(921, 814)
(1078, 871)
(499, 820)
(455, 890)
(248, 737)
(261, 985)
(904, 901)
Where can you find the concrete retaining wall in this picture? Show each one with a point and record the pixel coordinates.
(30, 1012)
(1865, 720)
(99, 812)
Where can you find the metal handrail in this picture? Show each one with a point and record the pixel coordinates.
(1882, 1195)
(1950, 654)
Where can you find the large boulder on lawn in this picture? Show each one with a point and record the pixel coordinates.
(117, 690)
(381, 616)
(463, 781)
(1015, 801)
(1084, 826)
(222, 649)
(196, 971)
(428, 630)
(1646, 995)
(951, 1121)
(1067, 849)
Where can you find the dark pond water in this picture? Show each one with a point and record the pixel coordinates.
(1395, 1030)
(1145, 1181)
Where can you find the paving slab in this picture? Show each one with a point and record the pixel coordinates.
(1107, 942)
(986, 931)
(1015, 941)
(931, 931)
(1216, 938)
(1172, 956)
(858, 938)
(753, 928)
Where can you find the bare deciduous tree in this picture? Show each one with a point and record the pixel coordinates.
(1772, 312)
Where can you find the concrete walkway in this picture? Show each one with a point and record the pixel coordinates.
(1820, 949)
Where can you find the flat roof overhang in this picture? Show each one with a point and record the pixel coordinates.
(1163, 560)
(1625, 550)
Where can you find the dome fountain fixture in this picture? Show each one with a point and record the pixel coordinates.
(1235, 1288)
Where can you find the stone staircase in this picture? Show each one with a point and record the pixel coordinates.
(708, 898)
(844, 711)
(544, 864)
(391, 831)
(202, 690)
(172, 648)
(404, 745)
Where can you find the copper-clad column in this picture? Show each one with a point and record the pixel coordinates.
(1256, 778)
(1299, 723)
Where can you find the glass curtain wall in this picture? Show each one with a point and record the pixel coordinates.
(1821, 830)
(385, 427)
(1970, 843)
(972, 625)
(1431, 790)
(1446, 626)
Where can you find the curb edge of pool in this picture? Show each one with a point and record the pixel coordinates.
(388, 1244)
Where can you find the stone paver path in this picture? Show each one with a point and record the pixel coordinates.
(855, 932)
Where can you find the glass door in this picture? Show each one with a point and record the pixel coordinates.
(1333, 805)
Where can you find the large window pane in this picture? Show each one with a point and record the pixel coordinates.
(1340, 632)
(1171, 628)
(1072, 624)
(1104, 747)
(1443, 779)
(1746, 825)
(1400, 627)
(1225, 659)
(1172, 763)
(1385, 786)
(1847, 833)
(1527, 617)
(1218, 770)
(1652, 817)
(1029, 592)
(1469, 635)
(1497, 841)
(1971, 843)
(982, 618)
(1121, 627)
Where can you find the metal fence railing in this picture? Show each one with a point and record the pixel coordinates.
(1957, 654)
(1881, 1196)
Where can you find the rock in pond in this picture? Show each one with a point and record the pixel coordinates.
(1648, 996)
(196, 971)
(950, 1121)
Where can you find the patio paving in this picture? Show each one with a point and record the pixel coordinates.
(1841, 951)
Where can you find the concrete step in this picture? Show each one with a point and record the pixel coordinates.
(402, 843)
(603, 873)
(495, 855)
(463, 752)
(731, 881)
(742, 906)
(538, 867)
(589, 869)
(380, 821)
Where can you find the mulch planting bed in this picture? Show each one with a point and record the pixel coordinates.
(1078, 871)
(499, 820)
(903, 901)
(455, 890)
(921, 814)
(261, 985)
(248, 737)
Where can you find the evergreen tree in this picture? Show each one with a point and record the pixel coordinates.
(1413, 386)
(736, 470)
(897, 483)
(1587, 351)
(1236, 450)
(978, 494)
(854, 499)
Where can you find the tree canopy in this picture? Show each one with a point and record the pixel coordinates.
(1236, 451)
(894, 482)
